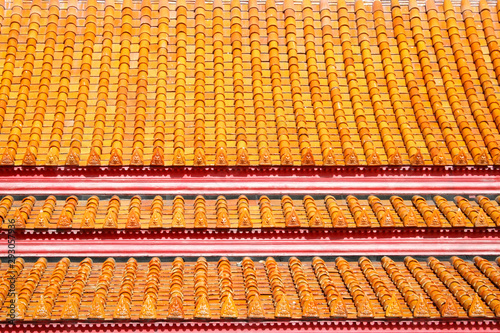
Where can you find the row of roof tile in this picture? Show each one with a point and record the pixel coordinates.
(212, 212)
(268, 289)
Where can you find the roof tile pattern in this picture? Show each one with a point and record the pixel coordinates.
(197, 288)
(210, 212)
(248, 83)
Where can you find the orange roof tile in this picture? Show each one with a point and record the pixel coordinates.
(148, 83)
(224, 212)
(235, 289)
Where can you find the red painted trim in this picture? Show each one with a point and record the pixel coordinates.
(258, 233)
(189, 242)
(415, 325)
(243, 247)
(171, 180)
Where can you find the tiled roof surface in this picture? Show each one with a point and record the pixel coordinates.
(236, 289)
(228, 94)
(133, 83)
(224, 212)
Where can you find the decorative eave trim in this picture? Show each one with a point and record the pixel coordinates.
(415, 325)
(246, 180)
(236, 246)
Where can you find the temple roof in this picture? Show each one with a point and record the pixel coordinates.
(249, 165)
(148, 83)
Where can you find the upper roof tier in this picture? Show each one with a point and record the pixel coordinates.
(251, 83)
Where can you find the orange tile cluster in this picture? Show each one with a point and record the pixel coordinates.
(199, 158)
(221, 157)
(478, 217)
(266, 212)
(11, 273)
(488, 296)
(383, 214)
(387, 299)
(313, 214)
(301, 289)
(43, 311)
(178, 213)
(202, 307)
(72, 306)
(307, 302)
(393, 155)
(226, 292)
(98, 302)
(200, 84)
(293, 68)
(122, 310)
(407, 214)
(150, 299)
(415, 302)
(445, 303)
(363, 307)
(156, 217)
(88, 220)
(471, 304)
(90, 32)
(161, 84)
(116, 156)
(200, 213)
(255, 309)
(291, 217)
(94, 157)
(42, 220)
(244, 219)
(26, 293)
(358, 212)
(372, 157)
(432, 217)
(281, 304)
(26, 76)
(186, 212)
(222, 213)
(175, 308)
(134, 213)
(111, 219)
(338, 218)
(487, 269)
(456, 218)
(66, 218)
(180, 78)
(334, 298)
(21, 214)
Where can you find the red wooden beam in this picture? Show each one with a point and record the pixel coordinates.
(414, 325)
(259, 242)
(171, 180)
(256, 247)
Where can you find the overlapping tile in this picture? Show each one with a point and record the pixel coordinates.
(248, 212)
(166, 84)
(238, 289)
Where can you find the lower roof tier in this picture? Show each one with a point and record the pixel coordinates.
(236, 288)
(247, 212)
